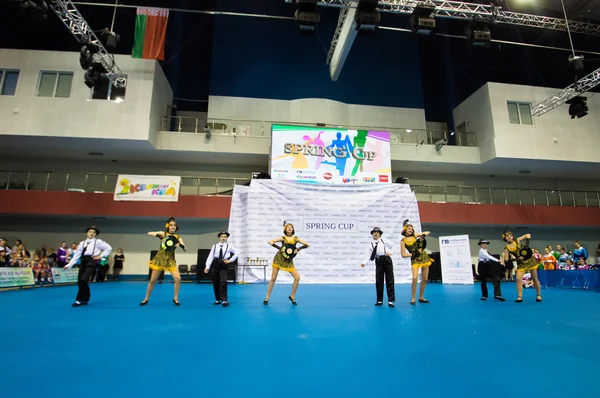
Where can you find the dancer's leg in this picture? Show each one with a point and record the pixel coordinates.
(274, 273)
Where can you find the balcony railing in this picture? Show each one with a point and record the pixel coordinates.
(185, 124)
(210, 186)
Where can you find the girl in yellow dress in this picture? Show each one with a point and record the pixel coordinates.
(284, 260)
(165, 259)
(512, 251)
(419, 259)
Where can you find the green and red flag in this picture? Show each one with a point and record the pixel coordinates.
(150, 33)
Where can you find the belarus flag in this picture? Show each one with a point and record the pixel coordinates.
(150, 33)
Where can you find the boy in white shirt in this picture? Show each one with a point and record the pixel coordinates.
(488, 266)
(381, 253)
(89, 251)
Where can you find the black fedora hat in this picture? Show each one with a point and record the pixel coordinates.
(483, 241)
(376, 229)
(223, 233)
(94, 228)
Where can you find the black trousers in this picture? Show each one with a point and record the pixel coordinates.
(384, 268)
(492, 270)
(87, 269)
(219, 279)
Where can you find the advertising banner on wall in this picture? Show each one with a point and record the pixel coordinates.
(61, 275)
(335, 220)
(324, 155)
(455, 255)
(147, 188)
(15, 277)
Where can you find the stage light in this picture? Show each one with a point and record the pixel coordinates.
(578, 107)
(367, 17)
(35, 9)
(478, 34)
(306, 16)
(422, 21)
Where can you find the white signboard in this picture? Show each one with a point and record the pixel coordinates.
(455, 255)
(147, 188)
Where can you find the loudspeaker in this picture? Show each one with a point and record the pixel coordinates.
(435, 269)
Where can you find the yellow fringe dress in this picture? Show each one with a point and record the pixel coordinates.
(419, 260)
(279, 261)
(165, 258)
(526, 265)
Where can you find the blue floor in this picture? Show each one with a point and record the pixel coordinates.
(334, 343)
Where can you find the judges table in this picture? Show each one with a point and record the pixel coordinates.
(571, 279)
(254, 264)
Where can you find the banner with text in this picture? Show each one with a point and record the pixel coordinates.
(324, 155)
(455, 255)
(147, 188)
(335, 220)
(61, 275)
(15, 277)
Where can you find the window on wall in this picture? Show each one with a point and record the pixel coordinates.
(104, 89)
(519, 113)
(8, 81)
(55, 84)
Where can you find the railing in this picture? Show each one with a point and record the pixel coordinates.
(186, 124)
(197, 186)
(100, 183)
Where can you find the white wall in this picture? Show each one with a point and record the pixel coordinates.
(578, 139)
(161, 101)
(486, 114)
(260, 113)
(77, 116)
(476, 113)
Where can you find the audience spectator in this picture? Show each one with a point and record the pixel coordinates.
(118, 261)
(61, 254)
(578, 253)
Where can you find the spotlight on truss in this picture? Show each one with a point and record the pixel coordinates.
(578, 107)
(306, 16)
(367, 17)
(478, 34)
(422, 21)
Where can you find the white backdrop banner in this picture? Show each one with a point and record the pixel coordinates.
(455, 255)
(147, 188)
(335, 220)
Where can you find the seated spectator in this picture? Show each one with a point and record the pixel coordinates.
(562, 258)
(527, 282)
(549, 260)
(3, 262)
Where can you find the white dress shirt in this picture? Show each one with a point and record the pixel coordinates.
(229, 253)
(93, 247)
(382, 249)
(485, 256)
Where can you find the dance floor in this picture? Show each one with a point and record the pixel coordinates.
(334, 343)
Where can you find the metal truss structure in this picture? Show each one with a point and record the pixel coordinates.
(337, 34)
(77, 25)
(460, 10)
(579, 87)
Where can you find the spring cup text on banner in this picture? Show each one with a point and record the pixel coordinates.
(455, 255)
(335, 220)
(325, 155)
(147, 188)
(15, 277)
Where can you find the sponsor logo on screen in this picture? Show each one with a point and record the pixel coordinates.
(383, 178)
(368, 179)
(327, 176)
